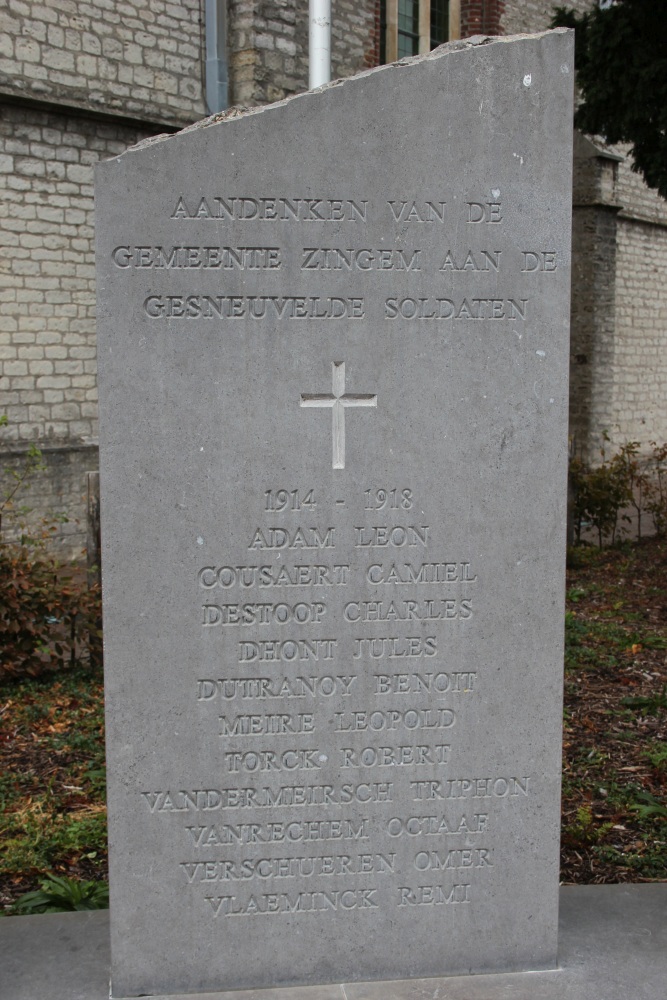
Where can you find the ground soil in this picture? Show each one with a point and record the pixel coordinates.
(614, 809)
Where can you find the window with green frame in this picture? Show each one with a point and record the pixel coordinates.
(411, 27)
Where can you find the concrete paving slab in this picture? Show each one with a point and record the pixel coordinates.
(612, 946)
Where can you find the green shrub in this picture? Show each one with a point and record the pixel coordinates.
(59, 895)
(648, 806)
(599, 495)
(49, 617)
(657, 503)
(603, 494)
(15, 479)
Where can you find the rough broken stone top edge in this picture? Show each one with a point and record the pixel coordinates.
(238, 112)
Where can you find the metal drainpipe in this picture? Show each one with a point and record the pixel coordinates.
(319, 42)
(217, 81)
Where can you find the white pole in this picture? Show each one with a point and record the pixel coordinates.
(319, 42)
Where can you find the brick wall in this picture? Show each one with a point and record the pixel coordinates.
(639, 400)
(47, 274)
(269, 46)
(59, 489)
(619, 305)
(535, 15)
(619, 300)
(638, 410)
(482, 17)
(594, 230)
(352, 37)
(141, 58)
(373, 50)
(262, 43)
(594, 264)
(48, 385)
(637, 200)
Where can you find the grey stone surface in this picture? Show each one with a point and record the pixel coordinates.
(333, 385)
(63, 956)
(612, 946)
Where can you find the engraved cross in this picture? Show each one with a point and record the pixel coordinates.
(336, 402)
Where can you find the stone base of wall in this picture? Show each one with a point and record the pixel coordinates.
(60, 489)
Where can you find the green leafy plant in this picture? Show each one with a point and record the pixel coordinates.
(638, 485)
(16, 478)
(646, 864)
(599, 495)
(48, 616)
(603, 495)
(657, 503)
(648, 806)
(651, 703)
(58, 895)
(657, 756)
(584, 831)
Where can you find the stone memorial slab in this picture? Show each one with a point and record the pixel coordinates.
(333, 352)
